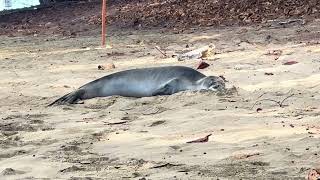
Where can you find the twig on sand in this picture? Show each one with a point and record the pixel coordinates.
(165, 165)
(163, 53)
(280, 103)
(262, 94)
(117, 123)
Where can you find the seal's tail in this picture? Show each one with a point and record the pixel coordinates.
(69, 98)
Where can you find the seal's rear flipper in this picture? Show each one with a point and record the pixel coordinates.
(70, 98)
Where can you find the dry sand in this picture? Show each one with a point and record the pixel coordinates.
(78, 141)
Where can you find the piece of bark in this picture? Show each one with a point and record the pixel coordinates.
(201, 140)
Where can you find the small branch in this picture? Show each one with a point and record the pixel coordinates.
(262, 95)
(265, 100)
(117, 123)
(163, 53)
(166, 165)
(280, 103)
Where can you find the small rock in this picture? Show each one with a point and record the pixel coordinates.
(107, 66)
(48, 24)
(156, 123)
(72, 169)
(136, 174)
(268, 74)
(73, 34)
(10, 171)
(259, 109)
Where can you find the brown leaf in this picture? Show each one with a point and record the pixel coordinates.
(290, 62)
(202, 65)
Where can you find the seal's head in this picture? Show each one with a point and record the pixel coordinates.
(213, 83)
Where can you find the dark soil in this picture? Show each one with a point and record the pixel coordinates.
(69, 19)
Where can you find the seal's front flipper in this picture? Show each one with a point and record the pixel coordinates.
(70, 98)
(170, 88)
(165, 90)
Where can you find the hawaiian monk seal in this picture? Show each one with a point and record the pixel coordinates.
(145, 82)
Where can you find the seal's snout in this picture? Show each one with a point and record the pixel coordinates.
(217, 87)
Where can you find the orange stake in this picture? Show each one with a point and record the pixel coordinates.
(103, 19)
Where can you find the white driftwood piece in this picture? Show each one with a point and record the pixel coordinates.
(197, 53)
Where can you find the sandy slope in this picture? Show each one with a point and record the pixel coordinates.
(78, 141)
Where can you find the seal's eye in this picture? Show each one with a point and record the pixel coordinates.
(212, 82)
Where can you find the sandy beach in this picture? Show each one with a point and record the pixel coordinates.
(265, 128)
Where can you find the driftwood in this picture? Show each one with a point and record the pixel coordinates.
(201, 53)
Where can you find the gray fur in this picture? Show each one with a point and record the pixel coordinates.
(143, 83)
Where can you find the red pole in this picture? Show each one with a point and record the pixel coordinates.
(103, 19)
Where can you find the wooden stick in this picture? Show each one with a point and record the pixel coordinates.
(280, 103)
(103, 23)
(163, 53)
